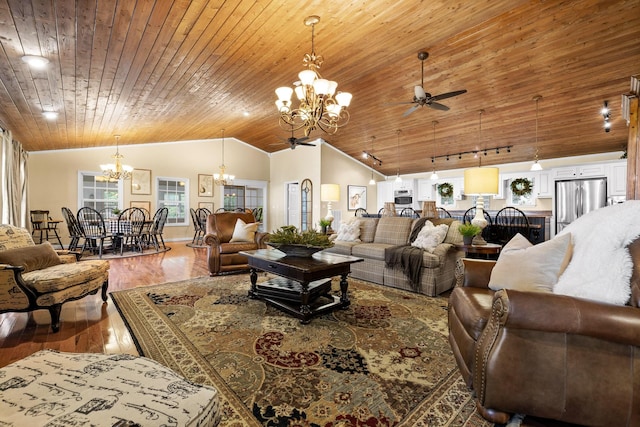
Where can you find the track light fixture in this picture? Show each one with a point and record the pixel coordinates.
(606, 115)
(474, 152)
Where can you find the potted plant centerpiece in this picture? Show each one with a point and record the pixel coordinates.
(295, 243)
(468, 231)
(324, 225)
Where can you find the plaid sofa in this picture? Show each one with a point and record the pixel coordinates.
(377, 234)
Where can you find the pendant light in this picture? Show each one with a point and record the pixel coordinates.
(536, 166)
(398, 179)
(373, 162)
(434, 175)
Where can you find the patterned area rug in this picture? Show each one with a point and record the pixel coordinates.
(384, 361)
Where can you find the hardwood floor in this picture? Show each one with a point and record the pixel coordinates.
(88, 324)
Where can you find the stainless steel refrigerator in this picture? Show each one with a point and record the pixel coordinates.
(577, 197)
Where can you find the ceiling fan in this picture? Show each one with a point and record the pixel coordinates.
(422, 98)
(293, 141)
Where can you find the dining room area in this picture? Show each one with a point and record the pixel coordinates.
(111, 233)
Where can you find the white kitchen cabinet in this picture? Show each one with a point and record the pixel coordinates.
(458, 188)
(617, 179)
(405, 184)
(583, 171)
(385, 193)
(543, 185)
(425, 190)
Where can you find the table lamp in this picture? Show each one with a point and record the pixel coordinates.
(479, 182)
(329, 193)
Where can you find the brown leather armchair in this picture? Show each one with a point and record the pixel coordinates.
(223, 255)
(546, 355)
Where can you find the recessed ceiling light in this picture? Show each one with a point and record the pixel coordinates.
(37, 62)
(50, 115)
(246, 113)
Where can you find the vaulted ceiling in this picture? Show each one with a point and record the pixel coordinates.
(156, 71)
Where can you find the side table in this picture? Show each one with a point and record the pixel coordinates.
(488, 251)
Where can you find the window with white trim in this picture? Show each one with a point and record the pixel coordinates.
(98, 192)
(173, 195)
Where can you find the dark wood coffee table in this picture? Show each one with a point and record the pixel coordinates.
(302, 281)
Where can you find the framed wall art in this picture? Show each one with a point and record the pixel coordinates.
(141, 181)
(145, 206)
(357, 197)
(206, 205)
(205, 185)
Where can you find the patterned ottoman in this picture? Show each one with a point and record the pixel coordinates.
(81, 389)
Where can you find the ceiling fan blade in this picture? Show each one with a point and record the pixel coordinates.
(308, 144)
(410, 110)
(304, 138)
(438, 106)
(448, 95)
(419, 92)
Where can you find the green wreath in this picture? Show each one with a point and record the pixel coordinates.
(445, 189)
(521, 186)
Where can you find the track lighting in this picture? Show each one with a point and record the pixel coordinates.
(475, 153)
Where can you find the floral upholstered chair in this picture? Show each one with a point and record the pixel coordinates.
(36, 277)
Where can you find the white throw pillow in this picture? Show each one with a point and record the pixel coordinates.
(430, 236)
(601, 266)
(522, 266)
(244, 232)
(349, 231)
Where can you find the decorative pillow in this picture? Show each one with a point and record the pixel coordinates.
(244, 232)
(349, 231)
(522, 266)
(430, 236)
(601, 266)
(36, 257)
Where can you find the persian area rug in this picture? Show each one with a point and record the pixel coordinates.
(384, 361)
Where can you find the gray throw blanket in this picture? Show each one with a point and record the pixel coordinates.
(408, 257)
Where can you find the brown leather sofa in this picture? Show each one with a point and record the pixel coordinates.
(546, 355)
(223, 255)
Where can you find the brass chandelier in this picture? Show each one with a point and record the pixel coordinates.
(116, 171)
(318, 108)
(223, 178)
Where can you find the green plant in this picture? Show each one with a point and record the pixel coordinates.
(325, 222)
(468, 229)
(289, 235)
(521, 186)
(445, 189)
(116, 211)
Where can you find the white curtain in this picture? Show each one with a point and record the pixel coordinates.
(13, 168)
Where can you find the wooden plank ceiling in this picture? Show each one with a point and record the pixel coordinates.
(156, 71)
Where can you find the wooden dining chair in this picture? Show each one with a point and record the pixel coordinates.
(510, 221)
(131, 223)
(409, 212)
(443, 213)
(75, 233)
(42, 223)
(93, 230)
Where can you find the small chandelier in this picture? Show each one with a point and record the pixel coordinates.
(118, 170)
(318, 107)
(223, 178)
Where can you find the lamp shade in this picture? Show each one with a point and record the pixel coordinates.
(481, 181)
(329, 192)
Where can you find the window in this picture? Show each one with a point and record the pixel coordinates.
(97, 192)
(172, 194)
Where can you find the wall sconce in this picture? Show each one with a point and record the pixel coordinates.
(606, 115)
